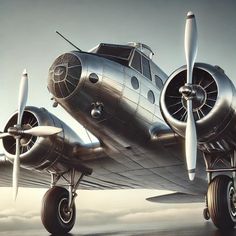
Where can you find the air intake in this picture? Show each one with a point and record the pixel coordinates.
(64, 75)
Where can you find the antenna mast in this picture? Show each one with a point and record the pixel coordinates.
(67, 40)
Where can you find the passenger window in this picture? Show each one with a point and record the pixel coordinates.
(158, 82)
(134, 82)
(146, 68)
(151, 97)
(136, 62)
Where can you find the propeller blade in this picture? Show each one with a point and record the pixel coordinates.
(43, 131)
(190, 44)
(22, 99)
(191, 142)
(16, 169)
(23, 95)
(3, 135)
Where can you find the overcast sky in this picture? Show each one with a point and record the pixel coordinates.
(28, 40)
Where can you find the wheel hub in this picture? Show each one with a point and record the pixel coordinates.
(232, 201)
(65, 213)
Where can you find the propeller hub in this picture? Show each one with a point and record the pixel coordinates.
(26, 139)
(15, 131)
(196, 93)
(187, 91)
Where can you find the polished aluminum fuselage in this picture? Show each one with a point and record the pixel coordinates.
(125, 109)
(120, 106)
(131, 129)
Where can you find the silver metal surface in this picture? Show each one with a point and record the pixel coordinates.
(128, 128)
(217, 124)
(138, 149)
(43, 153)
(140, 118)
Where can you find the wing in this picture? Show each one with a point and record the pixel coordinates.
(28, 178)
(177, 198)
(119, 168)
(138, 167)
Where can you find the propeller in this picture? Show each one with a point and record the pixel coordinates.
(3, 135)
(190, 45)
(43, 131)
(18, 130)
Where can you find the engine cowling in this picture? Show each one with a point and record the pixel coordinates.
(42, 153)
(214, 104)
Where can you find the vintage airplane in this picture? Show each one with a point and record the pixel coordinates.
(141, 118)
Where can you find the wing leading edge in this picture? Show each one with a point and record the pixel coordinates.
(177, 198)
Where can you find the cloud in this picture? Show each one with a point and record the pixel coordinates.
(11, 220)
(114, 211)
(140, 218)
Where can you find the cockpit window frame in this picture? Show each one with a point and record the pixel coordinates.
(136, 52)
(117, 46)
(142, 69)
(148, 67)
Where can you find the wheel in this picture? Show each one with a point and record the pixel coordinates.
(221, 202)
(55, 216)
(206, 214)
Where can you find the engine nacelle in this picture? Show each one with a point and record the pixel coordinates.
(41, 153)
(214, 104)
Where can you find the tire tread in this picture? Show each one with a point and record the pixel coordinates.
(49, 211)
(218, 202)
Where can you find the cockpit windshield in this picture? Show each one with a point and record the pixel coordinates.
(122, 52)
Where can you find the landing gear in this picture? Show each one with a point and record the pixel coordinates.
(221, 194)
(58, 212)
(56, 216)
(222, 202)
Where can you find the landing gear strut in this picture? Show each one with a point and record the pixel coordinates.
(221, 194)
(58, 212)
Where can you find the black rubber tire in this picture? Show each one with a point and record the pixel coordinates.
(50, 214)
(206, 214)
(219, 203)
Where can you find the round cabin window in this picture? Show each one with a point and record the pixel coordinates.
(151, 97)
(134, 82)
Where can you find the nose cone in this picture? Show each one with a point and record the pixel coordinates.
(64, 75)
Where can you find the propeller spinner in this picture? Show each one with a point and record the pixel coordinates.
(18, 130)
(190, 45)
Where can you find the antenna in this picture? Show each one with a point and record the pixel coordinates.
(67, 40)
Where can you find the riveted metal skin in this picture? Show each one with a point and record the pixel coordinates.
(131, 128)
(128, 116)
(132, 133)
